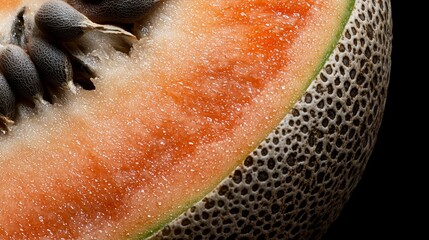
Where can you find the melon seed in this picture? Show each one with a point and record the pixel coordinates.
(60, 20)
(52, 63)
(17, 35)
(125, 11)
(21, 73)
(7, 104)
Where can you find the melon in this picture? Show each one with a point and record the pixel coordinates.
(245, 119)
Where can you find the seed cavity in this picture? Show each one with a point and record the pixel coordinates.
(47, 53)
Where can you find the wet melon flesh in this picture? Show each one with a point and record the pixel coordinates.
(165, 125)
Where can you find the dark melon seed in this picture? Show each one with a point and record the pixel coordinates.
(108, 11)
(20, 73)
(57, 19)
(82, 75)
(7, 103)
(60, 20)
(17, 31)
(52, 63)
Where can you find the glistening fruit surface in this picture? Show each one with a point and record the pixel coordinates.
(166, 125)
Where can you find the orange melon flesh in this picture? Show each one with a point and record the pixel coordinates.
(7, 5)
(166, 124)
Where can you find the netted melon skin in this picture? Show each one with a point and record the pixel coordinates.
(295, 183)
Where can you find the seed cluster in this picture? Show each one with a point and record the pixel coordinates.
(36, 63)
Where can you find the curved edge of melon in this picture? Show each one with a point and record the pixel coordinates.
(307, 168)
(348, 8)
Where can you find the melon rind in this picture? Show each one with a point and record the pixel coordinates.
(295, 183)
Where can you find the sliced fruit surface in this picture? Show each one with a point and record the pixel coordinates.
(167, 122)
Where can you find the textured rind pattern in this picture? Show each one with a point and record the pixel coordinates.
(294, 185)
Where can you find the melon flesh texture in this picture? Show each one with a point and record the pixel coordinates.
(166, 124)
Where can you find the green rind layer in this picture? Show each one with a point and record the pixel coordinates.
(333, 45)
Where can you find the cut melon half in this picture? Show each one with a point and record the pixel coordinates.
(173, 141)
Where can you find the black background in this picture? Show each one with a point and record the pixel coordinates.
(380, 206)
